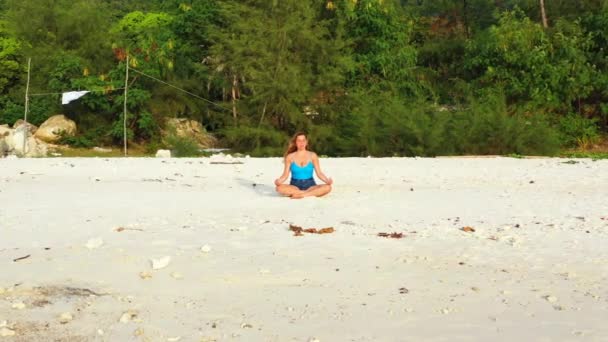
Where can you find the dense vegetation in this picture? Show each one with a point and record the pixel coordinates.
(379, 77)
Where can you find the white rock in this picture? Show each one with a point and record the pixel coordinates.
(206, 249)
(18, 305)
(551, 299)
(163, 262)
(145, 275)
(94, 243)
(102, 149)
(5, 332)
(65, 318)
(100, 332)
(128, 316)
(163, 154)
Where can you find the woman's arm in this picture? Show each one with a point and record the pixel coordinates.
(285, 174)
(320, 174)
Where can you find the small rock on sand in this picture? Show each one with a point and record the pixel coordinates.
(145, 275)
(18, 305)
(163, 262)
(65, 318)
(6, 332)
(128, 316)
(94, 243)
(551, 299)
(206, 249)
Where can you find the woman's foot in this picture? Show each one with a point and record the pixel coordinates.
(298, 195)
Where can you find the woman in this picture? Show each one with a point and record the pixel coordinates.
(301, 163)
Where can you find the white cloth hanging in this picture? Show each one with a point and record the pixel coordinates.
(72, 95)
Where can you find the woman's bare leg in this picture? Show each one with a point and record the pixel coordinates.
(288, 190)
(316, 190)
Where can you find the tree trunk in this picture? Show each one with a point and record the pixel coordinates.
(263, 114)
(234, 84)
(543, 13)
(466, 20)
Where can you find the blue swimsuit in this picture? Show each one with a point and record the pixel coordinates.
(301, 176)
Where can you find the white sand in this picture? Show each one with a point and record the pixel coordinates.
(535, 269)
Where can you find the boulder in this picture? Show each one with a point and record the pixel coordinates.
(33, 146)
(20, 122)
(189, 128)
(163, 154)
(50, 131)
(5, 131)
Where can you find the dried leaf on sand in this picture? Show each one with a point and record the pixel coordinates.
(299, 230)
(393, 235)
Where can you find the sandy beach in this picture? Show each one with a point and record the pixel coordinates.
(145, 249)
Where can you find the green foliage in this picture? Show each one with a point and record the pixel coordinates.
(183, 146)
(486, 127)
(365, 77)
(10, 56)
(577, 131)
(531, 65)
(261, 141)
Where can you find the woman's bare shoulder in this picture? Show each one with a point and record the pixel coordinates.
(289, 157)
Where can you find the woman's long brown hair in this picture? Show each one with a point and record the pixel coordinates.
(292, 144)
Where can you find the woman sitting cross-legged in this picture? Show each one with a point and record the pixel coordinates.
(301, 163)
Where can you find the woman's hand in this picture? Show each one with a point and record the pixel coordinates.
(277, 182)
(329, 181)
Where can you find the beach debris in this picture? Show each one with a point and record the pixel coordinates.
(65, 318)
(177, 275)
(163, 262)
(6, 332)
(18, 306)
(393, 235)
(550, 299)
(121, 229)
(94, 243)
(21, 258)
(468, 229)
(145, 275)
(225, 162)
(403, 290)
(246, 325)
(128, 316)
(299, 230)
(206, 249)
